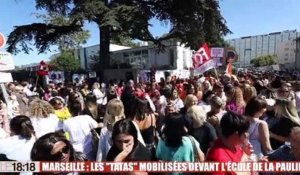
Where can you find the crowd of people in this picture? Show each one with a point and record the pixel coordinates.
(226, 118)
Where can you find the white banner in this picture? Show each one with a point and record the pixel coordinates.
(6, 61)
(5, 77)
(206, 66)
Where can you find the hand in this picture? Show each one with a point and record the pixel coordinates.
(122, 155)
(263, 159)
(248, 148)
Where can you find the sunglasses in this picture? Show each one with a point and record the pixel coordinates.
(59, 154)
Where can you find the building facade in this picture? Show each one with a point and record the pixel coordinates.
(88, 55)
(251, 47)
(286, 54)
(297, 61)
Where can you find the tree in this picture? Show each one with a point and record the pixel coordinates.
(67, 42)
(192, 22)
(65, 62)
(265, 60)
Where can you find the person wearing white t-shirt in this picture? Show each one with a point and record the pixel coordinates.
(18, 146)
(79, 128)
(114, 112)
(98, 93)
(43, 119)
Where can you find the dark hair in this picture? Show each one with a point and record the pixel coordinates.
(75, 108)
(21, 125)
(254, 105)
(139, 109)
(206, 96)
(232, 122)
(218, 85)
(128, 99)
(54, 101)
(174, 130)
(229, 88)
(41, 150)
(125, 126)
(90, 98)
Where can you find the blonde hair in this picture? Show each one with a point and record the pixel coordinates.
(96, 85)
(197, 114)
(237, 97)
(114, 111)
(189, 100)
(285, 108)
(249, 92)
(40, 108)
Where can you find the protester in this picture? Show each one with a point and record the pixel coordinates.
(114, 113)
(202, 131)
(126, 146)
(235, 100)
(233, 145)
(280, 125)
(79, 128)
(216, 113)
(174, 145)
(43, 118)
(60, 108)
(17, 147)
(54, 147)
(258, 130)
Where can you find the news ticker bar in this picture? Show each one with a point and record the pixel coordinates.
(149, 166)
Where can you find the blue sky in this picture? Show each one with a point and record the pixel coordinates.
(244, 18)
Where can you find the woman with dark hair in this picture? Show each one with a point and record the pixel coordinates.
(131, 111)
(92, 108)
(54, 147)
(145, 120)
(258, 130)
(126, 146)
(175, 145)
(85, 90)
(228, 147)
(18, 146)
(79, 128)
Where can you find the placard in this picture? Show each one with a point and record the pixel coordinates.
(6, 61)
(217, 52)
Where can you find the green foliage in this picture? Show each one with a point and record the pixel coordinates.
(65, 62)
(66, 42)
(192, 22)
(266, 60)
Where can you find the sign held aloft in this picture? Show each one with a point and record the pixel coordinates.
(6, 61)
(202, 60)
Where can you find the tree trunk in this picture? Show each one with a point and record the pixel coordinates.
(104, 51)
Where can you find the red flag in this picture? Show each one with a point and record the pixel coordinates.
(201, 56)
